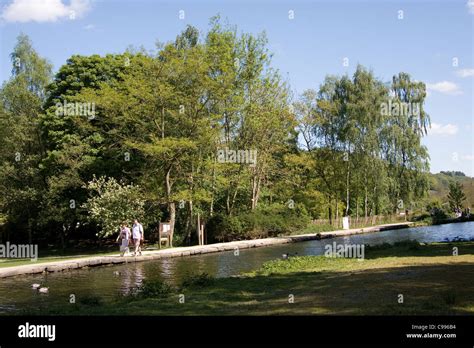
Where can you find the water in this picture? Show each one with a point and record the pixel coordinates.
(16, 292)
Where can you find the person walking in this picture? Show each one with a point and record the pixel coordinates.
(124, 235)
(138, 236)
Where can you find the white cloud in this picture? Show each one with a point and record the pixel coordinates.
(89, 27)
(439, 129)
(465, 72)
(467, 157)
(470, 6)
(445, 87)
(43, 10)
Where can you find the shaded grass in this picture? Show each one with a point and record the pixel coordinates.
(431, 280)
(46, 259)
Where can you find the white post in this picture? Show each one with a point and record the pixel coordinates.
(345, 223)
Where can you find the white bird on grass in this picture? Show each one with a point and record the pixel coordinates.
(43, 290)
(35, 286)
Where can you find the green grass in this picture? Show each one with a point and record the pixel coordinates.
(431, 279)
(22, 262)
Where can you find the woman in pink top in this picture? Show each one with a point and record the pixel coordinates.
(125, 237)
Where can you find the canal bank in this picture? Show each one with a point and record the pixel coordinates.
(94, 261)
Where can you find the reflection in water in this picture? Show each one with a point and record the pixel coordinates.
(131, 278)
(109, 281)
(167, 268)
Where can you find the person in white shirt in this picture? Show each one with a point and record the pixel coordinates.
(138, 236)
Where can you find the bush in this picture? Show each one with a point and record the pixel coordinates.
(197, 280)
(436, 212)
(266, 221)
(156, 288)
(438, 216)
(405, 244)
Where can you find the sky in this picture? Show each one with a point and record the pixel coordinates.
(431, 40)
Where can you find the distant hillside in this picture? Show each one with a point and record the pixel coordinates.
(439, 185)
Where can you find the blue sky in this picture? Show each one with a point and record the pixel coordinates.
(427, 43)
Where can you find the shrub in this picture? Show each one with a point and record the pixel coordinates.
(263, 222)
(438, 216)
(406, 244)
(197, 280)
(156, 288)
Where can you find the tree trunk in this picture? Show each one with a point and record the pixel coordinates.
(373, 200)
(211, 208)
(198, 228)
(347, 189)
(227, 202)
(233, 201)
(330, 210)
(171, 206)
(255, 190)
(357, 208)
(366, 201)
(189, 222)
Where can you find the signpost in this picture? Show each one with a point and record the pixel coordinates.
(164, 233)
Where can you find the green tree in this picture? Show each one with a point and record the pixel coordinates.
(456, 195)
(407, 157)
(21, 98)
(76, 144)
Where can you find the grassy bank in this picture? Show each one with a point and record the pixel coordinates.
(430, 278)
(427, 220)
